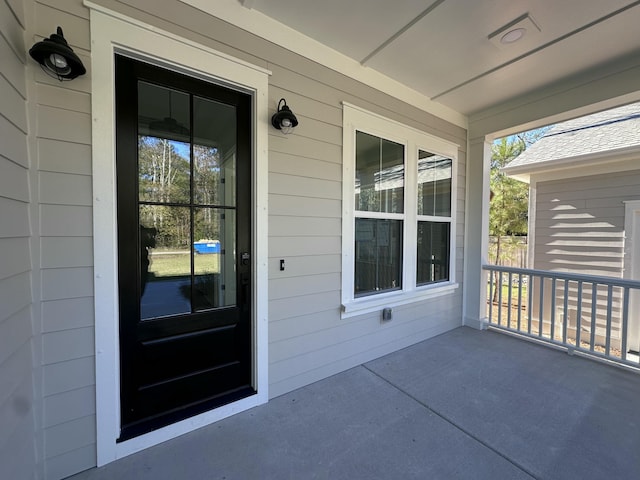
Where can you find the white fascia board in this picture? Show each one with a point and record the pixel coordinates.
(259, 24)
(620, 159)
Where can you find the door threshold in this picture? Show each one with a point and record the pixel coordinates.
(147, 440)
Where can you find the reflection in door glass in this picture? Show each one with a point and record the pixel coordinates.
(187, 197)
(214, 152)
(163, 170)
(163, 144)
(165, 257)
(214, 261)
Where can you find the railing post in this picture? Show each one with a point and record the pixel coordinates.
(476, 230)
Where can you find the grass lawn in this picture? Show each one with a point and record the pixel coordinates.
(514, 293)
(178, 264)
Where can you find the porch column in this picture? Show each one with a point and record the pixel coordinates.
(476, 232)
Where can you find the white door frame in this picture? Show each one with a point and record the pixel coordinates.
(632, 268)
(113, 33)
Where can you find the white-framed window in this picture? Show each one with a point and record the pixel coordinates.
(398, 242)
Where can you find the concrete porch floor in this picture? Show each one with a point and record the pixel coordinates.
(466, 404)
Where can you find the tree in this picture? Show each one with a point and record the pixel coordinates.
(508, 211)
(509, 206)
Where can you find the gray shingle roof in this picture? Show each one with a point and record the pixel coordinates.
(601, 132)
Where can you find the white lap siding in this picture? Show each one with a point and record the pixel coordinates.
(64, 270)
(308, 340)
(17, 445)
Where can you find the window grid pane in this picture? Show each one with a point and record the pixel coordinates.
(378, 256)
(433, 252)
(379, 180)
(434, 184)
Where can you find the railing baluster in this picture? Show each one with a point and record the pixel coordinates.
(565, 311)
(499, 287)
(552, 333)
(625, 322)
(529, 304)
(509, 300)
(607, 344)
(541, 306)
(579, 316)
(594, 307)
(519, 300)
(490, 295)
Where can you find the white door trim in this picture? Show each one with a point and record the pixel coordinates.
(113, 33)
(632, 268)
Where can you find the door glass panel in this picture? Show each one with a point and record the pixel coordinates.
(214, 152)
(165, 257)
(163, 144)
(214, 260)
(184, 271)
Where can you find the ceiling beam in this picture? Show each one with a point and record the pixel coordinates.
(400, 32)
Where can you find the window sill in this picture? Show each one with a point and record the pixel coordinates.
(375, 303)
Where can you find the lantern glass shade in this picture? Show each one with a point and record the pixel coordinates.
(56, 57)
(284, 119)
(286, 126)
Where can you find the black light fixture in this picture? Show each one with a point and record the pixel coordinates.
(56, 57)
(284, 119)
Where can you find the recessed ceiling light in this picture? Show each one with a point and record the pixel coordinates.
(513, 36)
(507, 35)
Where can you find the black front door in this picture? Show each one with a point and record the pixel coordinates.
(184, 231)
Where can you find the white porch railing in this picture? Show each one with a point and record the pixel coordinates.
(595, 315)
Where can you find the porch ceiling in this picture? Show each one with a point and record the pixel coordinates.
(442, 49)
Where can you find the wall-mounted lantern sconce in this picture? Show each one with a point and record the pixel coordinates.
(284, 119)
(56, 57)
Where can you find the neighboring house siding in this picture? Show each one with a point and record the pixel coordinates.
(308, 339)
(579, 228)
(17, 443)
(62, 158)
(580, 223)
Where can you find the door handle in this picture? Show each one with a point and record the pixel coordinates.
(244, 288)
